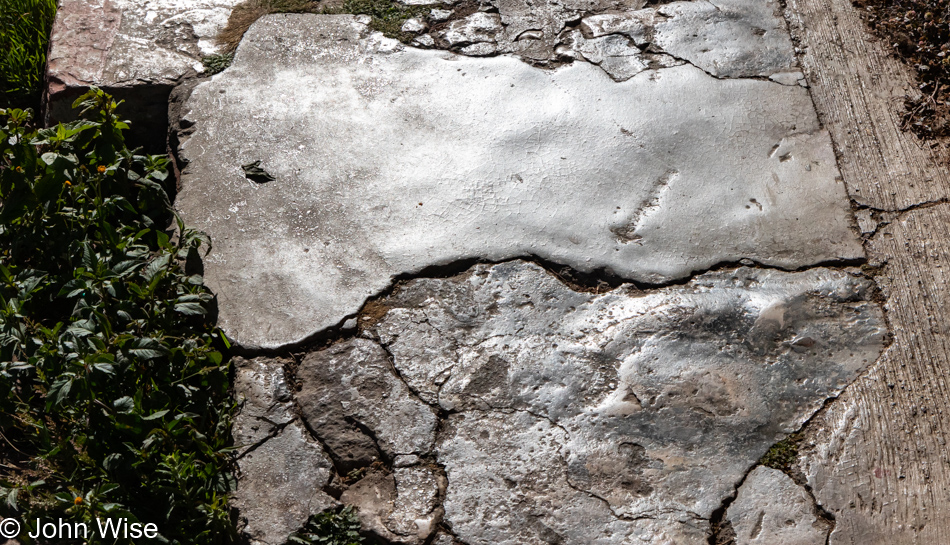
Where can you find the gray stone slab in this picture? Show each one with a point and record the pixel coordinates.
(137, 50)
(280, 486)
(127, 43)
(389, 160)
(569, 406)
(399, 507)
(770, 508)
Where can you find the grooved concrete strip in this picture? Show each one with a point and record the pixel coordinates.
(389, 160)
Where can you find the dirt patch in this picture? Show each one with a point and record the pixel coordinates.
(244, 15)
(919, 33)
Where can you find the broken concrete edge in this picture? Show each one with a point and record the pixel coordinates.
(597, 282)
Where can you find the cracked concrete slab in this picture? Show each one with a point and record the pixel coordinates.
(389, 160)
(771, 508)
(577, 418)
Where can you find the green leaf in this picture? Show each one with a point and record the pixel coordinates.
(190, 309)
(155, 415)
(59, 391)
(124, 404)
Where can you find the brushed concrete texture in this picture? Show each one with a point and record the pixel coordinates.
(389, 160)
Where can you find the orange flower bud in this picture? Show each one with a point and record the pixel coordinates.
(102, 169)
(77, 501)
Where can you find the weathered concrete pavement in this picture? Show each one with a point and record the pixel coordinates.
(473, 300)
(501, 406)
(404, 159)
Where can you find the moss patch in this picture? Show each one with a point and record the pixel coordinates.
(784, 453)
(388, 16)
(215, 64)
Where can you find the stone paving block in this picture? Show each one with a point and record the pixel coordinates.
(655, 403)
(571, 417)
(137, 50)
(265, 400)
(388, 160)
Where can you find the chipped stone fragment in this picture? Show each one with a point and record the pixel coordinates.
(424, 40)
(638, 25)
(280, 485)
(414, 25)
(354, 402)
(770, 508)
(615, 54)
(476, 28)
(264, 397)
(417, 158)
(399, 507)
(438, 15)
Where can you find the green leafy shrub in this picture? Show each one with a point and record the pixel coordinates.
(330, 528)
(113, 386)
(24, 34)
